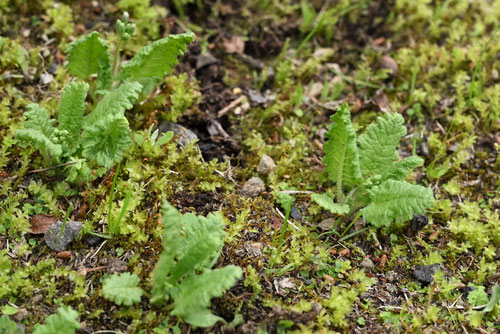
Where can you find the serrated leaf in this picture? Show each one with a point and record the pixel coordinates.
(106, 140)
(37, 132)
(122, 289)
(192, 298)
(156, 59)
(326, 202)
(64, 322)
(104, 76)
(341, 153)
(396, 201)
(400, 169)
(37, 119)
(377, 145)
(85, 53)
(114, 103)
(71, 112)
(171, 221)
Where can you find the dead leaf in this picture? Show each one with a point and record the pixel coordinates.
(40, 223)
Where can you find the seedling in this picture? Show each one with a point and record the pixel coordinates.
(286, 202)
(100, 138)
(368, 168)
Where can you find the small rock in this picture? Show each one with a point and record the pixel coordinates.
(254, 248)
(295, 214)
(116, 266)
(326, 224)
(64, 255)
(418, 222)
(205, 60)
(284, 285)
(466, 290)
(253, 187)
(424, 149)
(21, 314)
(389, 63)
(46, 78)
(367, 263)
(266, 165)
(425, 274)
(70, 231)
(257, 97)
(37, 298)
(93, 240)
(185, 136)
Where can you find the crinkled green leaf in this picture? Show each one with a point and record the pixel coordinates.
(114, 102)
(37, 132)
(176, 274)
(64, 322)
(104, 76)
(37, 119)
(326, 202)
(400, 169)
(494, 300)
(122, 289)
(106, 140)
(396, 201)
(171, 220)
(477, 296)
(85, 53)
(71, 112)
(377, 145)
(341, 153)
(156, 59)
(8, 326)
(192, 297)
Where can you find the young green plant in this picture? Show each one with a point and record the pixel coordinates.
(100, 138)
(369, 169)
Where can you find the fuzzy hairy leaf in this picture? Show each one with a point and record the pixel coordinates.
(192, 298)
(114, 103)
(171, 220)
(37, 119)
(122, 289)
(156, 59)
(396, 201)
(341, 153)
(377, 145)
(64, 322)
(106, 140)
(71, 112)
(37, 132)
(326, 202)
(400, 169)
(85, 53)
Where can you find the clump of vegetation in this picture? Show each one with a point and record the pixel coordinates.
(371, 172)
(100, 138)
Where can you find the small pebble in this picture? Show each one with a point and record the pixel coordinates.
(116, 266)
(204, 60)
(295, 214)
(185, 136)
(389, 63)
(253, 187)
(367, 263)
(419, 222)
(425, 274)
(326, 224)
(70, 231)
(266, 165)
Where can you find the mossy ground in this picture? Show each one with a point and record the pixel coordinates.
(447, 87)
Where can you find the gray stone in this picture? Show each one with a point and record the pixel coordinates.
(425, 274)
(116, 266)
(185, 136)
(295, 214)
(205, 60)
(326, 224)
(70, 231)
(253, 187)
(367, 264)
(266, 165)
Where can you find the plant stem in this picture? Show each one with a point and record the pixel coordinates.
(111, 194)
(116, 58)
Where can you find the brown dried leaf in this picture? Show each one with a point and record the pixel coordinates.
(40, 223)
